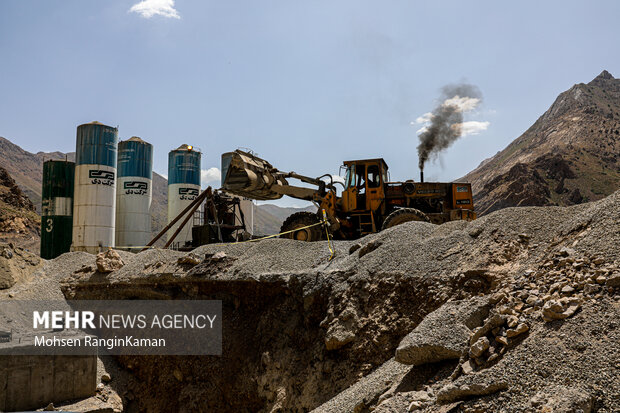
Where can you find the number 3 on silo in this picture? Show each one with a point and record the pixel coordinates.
(50, 225)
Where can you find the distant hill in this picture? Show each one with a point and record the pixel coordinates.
(27, 170)
(268, 218)
(570, 155)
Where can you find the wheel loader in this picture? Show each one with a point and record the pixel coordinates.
(368, 203)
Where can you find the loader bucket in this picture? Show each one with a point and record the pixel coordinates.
(249, 176)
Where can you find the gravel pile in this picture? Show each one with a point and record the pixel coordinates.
(550, 275)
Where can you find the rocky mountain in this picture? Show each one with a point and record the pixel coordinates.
(19, 222)
(570, 155)
(26, 168)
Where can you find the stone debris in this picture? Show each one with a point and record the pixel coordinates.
(453, 392)
(189, 259)
(109, 261)
(479, 347)
(443, 334)
(559, 309)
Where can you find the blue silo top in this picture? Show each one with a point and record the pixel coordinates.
(96, 145)
(135, 158)
(184, 166)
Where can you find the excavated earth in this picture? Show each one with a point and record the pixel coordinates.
(516, 311)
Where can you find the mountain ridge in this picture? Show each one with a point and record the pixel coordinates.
(568, 156)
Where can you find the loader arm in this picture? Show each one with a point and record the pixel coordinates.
(247, 175)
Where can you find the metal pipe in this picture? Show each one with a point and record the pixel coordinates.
(198, 200)
(421, 175)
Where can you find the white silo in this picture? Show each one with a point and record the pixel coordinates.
(183, 188)
(94, 205)
(134, 193)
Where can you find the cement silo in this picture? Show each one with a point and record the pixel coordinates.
(134, 193)
(183, 188)
(56, 208)
(94, 205)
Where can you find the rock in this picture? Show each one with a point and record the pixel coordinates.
(444, 333)
(189, 259)
(453, 392)
(177, 374)
(479, 347)
(562, 399)
(512, 321)
(468, 367)
(601, 279)
(219, 256)
(354, 248)
(554, 310)
(85, 268)
(591, 289)
(565, 252)
(6, 253)
(7, 277)
(413, 406)
(108, 261)
(338, 336)
(502, 340)
(370, 247)
(490, 324)
(50, 408)
(567, 290)
(520, 329)
(106, 378)
(613, 280)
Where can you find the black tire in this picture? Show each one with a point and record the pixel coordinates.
(302, 219)
(403, 215)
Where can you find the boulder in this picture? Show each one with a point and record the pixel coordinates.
(444, 333)
(109, 261)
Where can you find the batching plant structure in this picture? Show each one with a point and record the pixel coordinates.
(94, 206)
(134, 194)
(183, 188)
(56, 208)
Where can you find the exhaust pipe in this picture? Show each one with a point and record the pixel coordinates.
(421, 175)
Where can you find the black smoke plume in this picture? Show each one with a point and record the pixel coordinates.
(446, 122)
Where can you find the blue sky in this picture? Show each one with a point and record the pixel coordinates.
(306, 85)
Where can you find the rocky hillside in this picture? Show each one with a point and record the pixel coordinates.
(510, 312)
(19, 222)
(570, 155)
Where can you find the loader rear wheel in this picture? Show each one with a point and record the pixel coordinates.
(299, 220)
(404, 215)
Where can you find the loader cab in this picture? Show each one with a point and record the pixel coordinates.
(364, 185)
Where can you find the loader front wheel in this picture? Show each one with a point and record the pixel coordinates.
(301, 220)
(403, 215)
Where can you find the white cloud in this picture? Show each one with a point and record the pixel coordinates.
(465, 104)
(210, 176)
(421, 130)
(427, 117)
(473, 127)
(150, 8)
